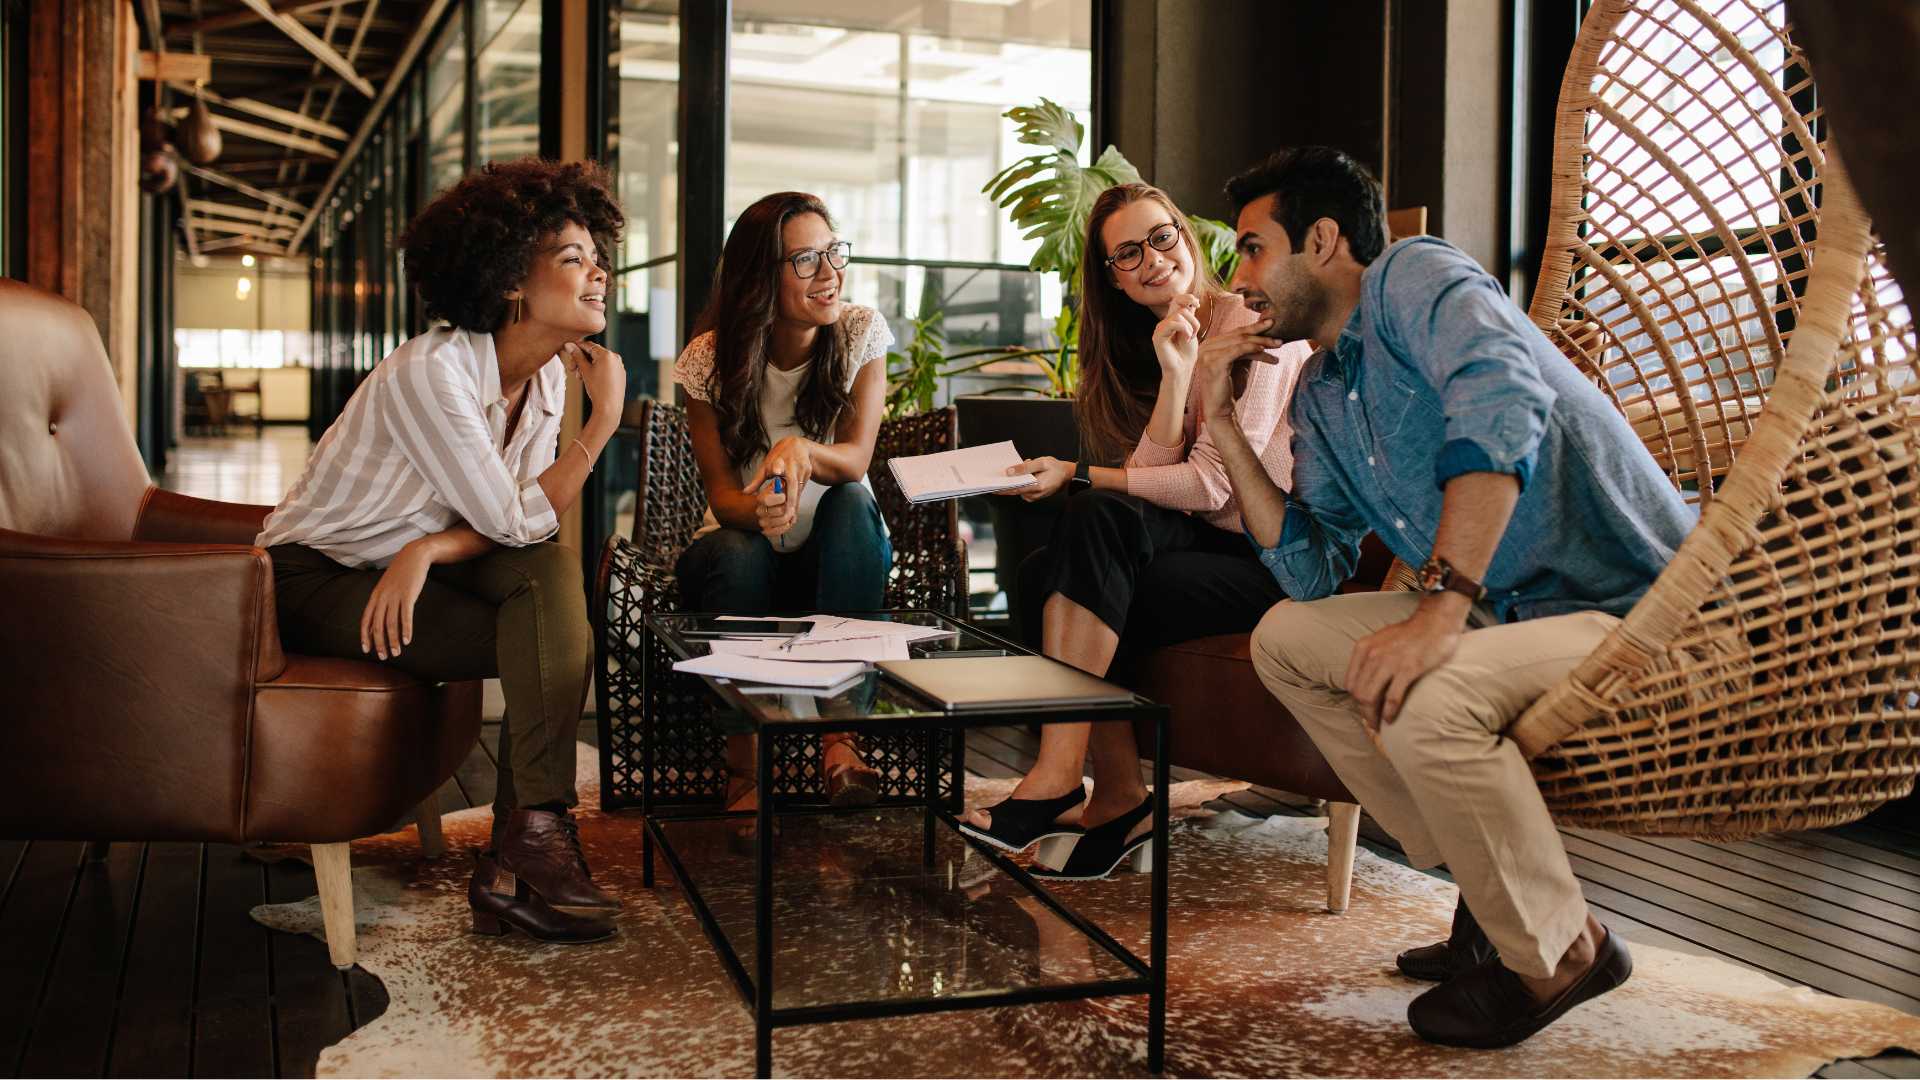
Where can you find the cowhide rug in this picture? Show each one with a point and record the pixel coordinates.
(1263, 981)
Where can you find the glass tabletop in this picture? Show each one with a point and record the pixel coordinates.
(869, 697)
(859, 917)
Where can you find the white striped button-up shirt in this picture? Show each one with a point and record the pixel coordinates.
(421, 447)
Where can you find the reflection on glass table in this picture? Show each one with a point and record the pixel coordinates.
(949, 930)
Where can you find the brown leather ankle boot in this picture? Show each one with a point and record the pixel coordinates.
(501, 901)
(542, 848)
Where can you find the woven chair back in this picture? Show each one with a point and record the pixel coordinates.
(929, 561)
(1708, 265)
(671, 499)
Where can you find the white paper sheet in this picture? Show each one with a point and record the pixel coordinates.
(971, 470)
(777, 672)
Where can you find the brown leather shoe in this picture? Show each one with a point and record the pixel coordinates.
(501, 901)
(1466, 948)
(542, 848)
(1489, 1007)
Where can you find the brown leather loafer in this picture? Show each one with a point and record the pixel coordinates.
(542, 848)
(1466, 948)
(1489, 1007)
(501, 901)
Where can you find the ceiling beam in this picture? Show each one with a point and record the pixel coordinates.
(247, 242)
(245, 18)
(305, 38)
(205, 207)
(269, 112)
(417, 42)
(244, 188)
(353, 53)
(270, 135)
(237, 228)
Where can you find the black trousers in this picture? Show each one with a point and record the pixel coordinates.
(1155, 576)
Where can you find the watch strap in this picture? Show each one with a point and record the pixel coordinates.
(1082, 476)
(1439, 575)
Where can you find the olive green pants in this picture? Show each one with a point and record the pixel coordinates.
(518, 614)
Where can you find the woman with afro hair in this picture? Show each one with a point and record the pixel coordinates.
(420, 533)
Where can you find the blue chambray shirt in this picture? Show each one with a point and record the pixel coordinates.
(1438, 374)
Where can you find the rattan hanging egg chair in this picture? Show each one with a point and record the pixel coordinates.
(1710, 268)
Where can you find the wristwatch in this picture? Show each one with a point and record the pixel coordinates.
(1082, 479)
(1438, 576)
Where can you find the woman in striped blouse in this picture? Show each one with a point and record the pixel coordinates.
(1152, 552)
(420, 533)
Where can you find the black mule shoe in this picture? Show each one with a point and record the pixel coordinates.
(1018, 824)
(1101, 849)
(1466, 948)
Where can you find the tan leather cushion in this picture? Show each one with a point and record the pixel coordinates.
(68, 465)
(344, 748)
(1224, 722)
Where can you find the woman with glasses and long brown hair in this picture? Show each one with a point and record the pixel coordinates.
(784, 384)
(1149, 551)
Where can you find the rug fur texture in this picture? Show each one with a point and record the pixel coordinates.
(1262, 980)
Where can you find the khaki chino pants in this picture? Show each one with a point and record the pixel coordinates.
(519, 614)
(1449, 787)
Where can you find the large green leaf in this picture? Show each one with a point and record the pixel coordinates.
(1048, 195)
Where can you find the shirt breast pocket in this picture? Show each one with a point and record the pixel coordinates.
(1406, 417)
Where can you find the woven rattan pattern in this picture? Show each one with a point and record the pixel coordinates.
(644, 705)
(1767, 681)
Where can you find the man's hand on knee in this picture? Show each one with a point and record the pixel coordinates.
(1387, 663)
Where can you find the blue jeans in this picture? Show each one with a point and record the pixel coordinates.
(842, 566)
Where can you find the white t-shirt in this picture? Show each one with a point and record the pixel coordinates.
(868, 337)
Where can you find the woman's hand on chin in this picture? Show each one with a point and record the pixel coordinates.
(1176, 339)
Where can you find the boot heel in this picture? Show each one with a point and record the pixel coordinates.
(1054, 851)
(1142, 858)
(488, 924)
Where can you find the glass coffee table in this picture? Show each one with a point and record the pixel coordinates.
(821, 914)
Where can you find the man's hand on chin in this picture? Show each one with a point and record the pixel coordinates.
(1386, 664)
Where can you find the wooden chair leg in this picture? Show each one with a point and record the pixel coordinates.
(333, 869)
(433, 842)
(1343, 833)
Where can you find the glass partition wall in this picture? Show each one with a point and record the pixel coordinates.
(891, 112)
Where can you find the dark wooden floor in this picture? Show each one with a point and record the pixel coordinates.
(146, 964)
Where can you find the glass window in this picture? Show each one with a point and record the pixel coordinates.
(881, 117)
(447, 70)
(895, 121)
(507, 80)
(643, 150)
(446, 143)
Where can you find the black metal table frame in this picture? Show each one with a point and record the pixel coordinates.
(756, 987)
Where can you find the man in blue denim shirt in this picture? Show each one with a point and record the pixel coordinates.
(1437, 417)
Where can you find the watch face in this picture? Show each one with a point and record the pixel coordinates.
(1432, 578)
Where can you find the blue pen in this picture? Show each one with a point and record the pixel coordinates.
(780, 488)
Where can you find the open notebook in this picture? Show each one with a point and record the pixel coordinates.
(950, 474)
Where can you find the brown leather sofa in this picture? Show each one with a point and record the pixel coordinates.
(1225, 723)
(146, 693)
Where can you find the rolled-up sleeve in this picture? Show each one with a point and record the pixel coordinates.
(441, 428)
(1319, 543)
(1450, 319)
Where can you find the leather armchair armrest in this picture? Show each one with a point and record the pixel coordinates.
(172, 518)
(209, 606)
(130, 671)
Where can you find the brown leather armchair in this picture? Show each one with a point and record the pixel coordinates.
(146, 693)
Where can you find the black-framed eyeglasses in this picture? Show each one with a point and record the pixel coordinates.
(806, 264)
(1128, 255)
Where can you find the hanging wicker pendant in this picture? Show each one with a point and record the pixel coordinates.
(199, 140)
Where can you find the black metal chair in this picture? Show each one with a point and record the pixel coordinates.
(636, 579)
